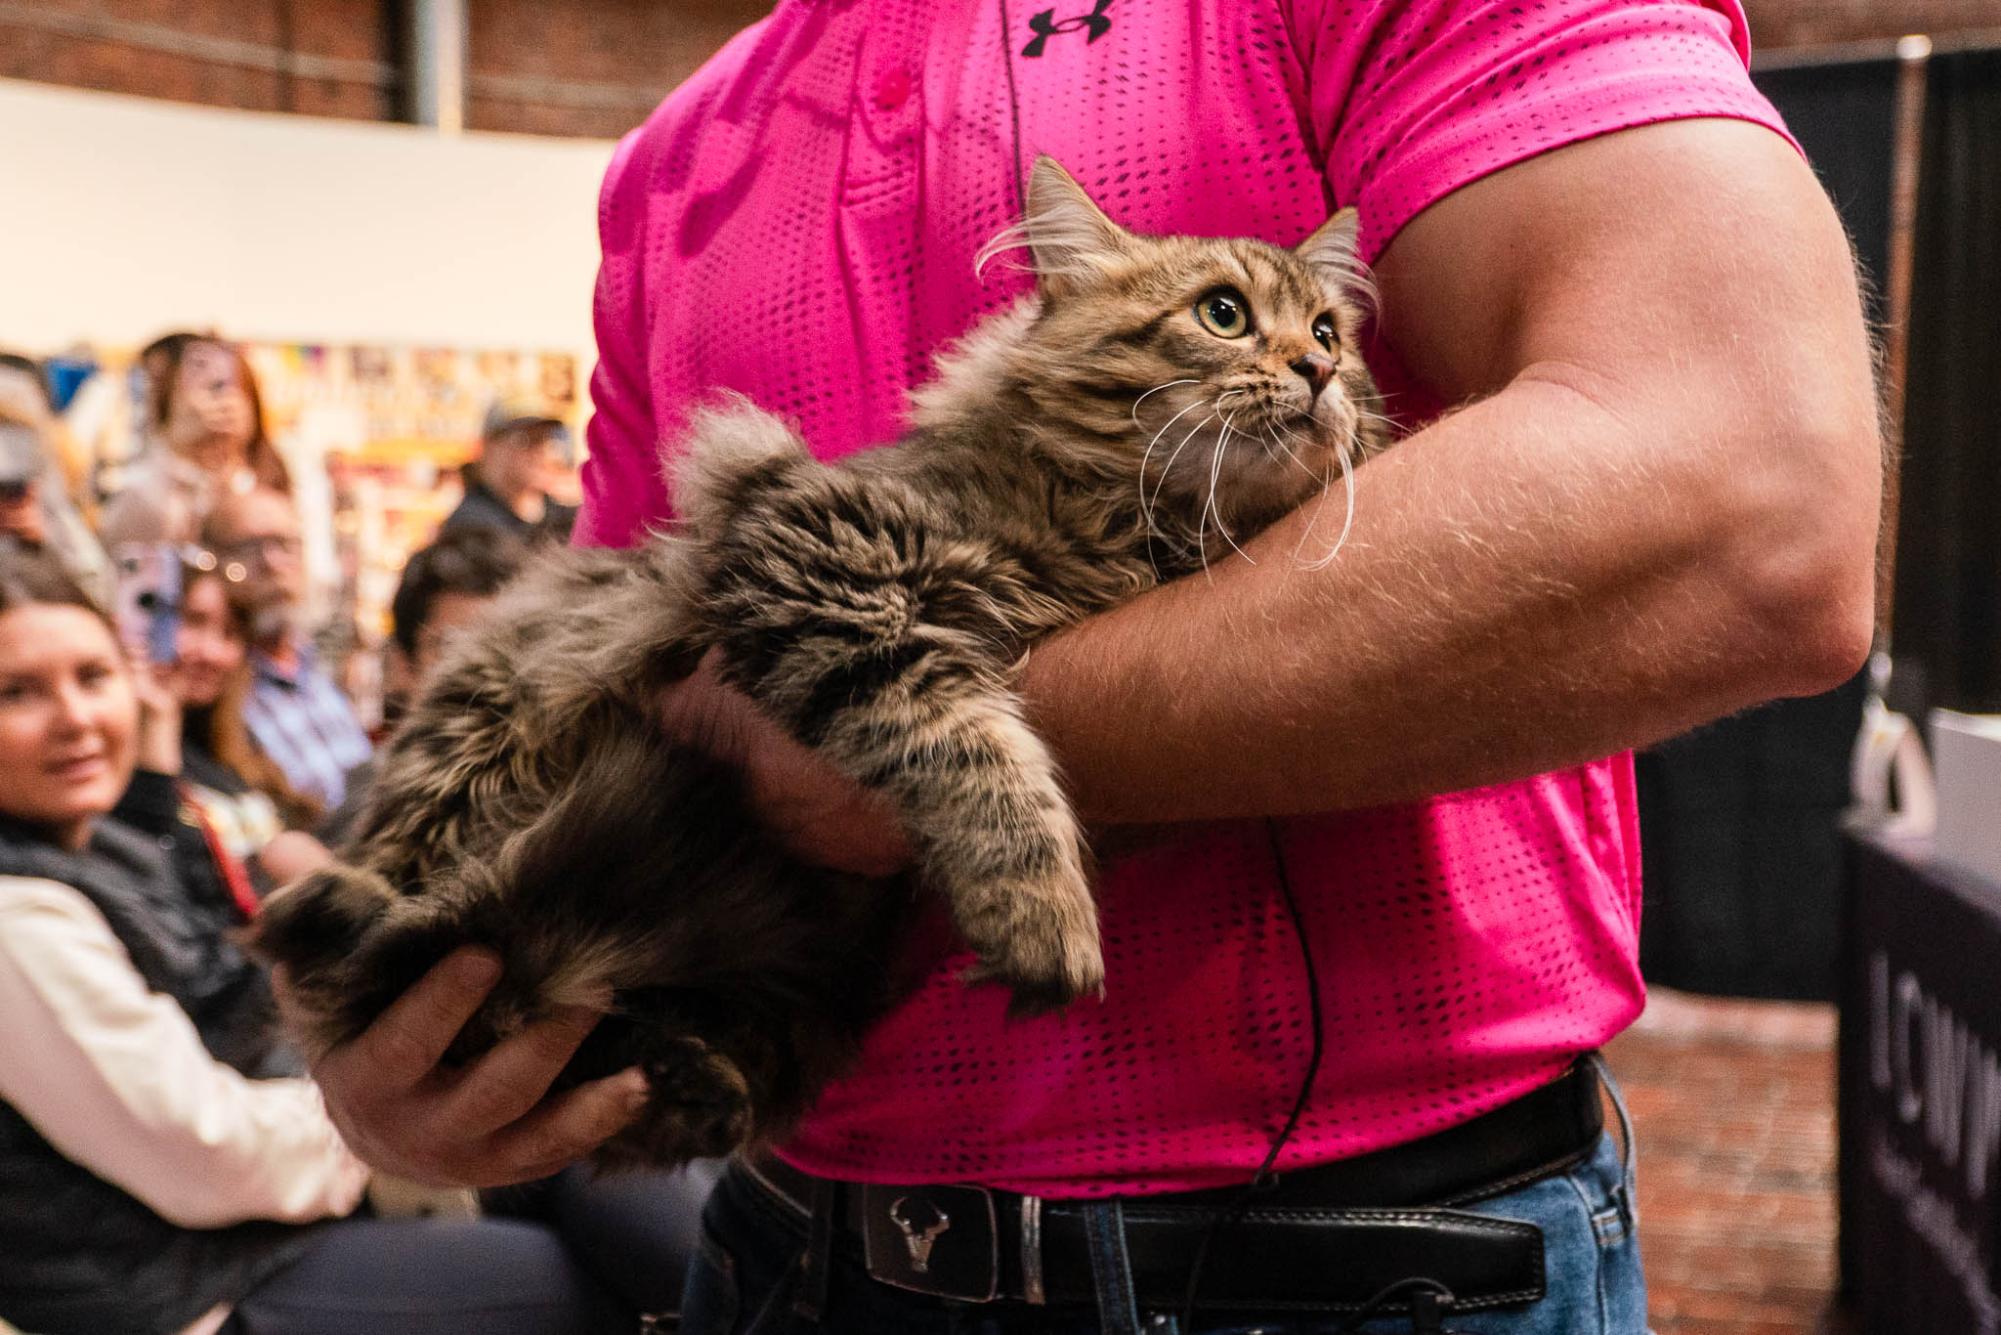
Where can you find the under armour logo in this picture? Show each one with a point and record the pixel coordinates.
(921, 1222)
(1045, 26)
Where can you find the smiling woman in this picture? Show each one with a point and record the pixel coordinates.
(68, 714)
(163, 1160)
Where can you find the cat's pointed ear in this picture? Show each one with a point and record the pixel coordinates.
(1335, 252)
(1069, 235)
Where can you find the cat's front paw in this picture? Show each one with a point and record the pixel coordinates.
(700, 1107)
(1041, 943)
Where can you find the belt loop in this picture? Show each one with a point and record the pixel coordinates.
(1629, 1210)
(1111, 1268)
(1032, 1290)
(816, 1262)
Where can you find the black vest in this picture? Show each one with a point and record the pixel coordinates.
(78, 1254)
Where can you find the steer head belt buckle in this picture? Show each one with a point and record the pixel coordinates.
(936, 1240)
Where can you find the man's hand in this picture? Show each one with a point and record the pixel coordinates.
(822, 815)
(486, 1125)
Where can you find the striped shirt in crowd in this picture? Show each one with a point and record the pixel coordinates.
(300, 719)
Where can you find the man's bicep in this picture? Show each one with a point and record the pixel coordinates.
(1675, 312)
(1702, 252)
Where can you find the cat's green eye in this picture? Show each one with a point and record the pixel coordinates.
(1224, 313)
(1323, 332)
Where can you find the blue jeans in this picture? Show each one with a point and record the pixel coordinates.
(745, 1274)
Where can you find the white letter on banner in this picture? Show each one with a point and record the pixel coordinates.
(1983, 1124)
(1946, 1041)
(1904, 1002)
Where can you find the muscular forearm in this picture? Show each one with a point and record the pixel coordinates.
(1518, 593)
(1659, 507)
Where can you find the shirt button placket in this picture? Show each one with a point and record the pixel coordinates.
(879, 225)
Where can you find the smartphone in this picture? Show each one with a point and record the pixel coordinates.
(148, 602)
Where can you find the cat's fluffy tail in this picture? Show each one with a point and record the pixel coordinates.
(732, 448)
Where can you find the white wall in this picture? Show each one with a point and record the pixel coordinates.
(124, 217)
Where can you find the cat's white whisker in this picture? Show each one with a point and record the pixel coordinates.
(1168, 468)
(1202, 533)
(1209, 507)
(1146, 509)
(1326, 490)
(1279, 436)
(1270, 442)
(1012, 237)
(1155, 390)
(1348, 520)
(1389, 424)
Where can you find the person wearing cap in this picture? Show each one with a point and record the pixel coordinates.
(520, 445)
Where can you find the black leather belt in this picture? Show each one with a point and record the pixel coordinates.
(1325, 1239)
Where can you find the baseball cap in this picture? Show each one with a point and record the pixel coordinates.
(516, 410)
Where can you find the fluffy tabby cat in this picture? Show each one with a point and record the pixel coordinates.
(1157, 401)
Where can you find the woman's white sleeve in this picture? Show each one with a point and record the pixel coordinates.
(115, 1077)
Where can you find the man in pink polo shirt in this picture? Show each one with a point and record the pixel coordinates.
(1396, 901)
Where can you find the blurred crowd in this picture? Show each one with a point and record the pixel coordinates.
(191, 531)
(173, 748)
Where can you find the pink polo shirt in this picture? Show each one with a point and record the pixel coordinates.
(798, 222)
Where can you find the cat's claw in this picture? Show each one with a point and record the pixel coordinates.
(1047, 956)
(700, 1106)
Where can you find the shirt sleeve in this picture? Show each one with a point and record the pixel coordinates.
(622, 484)
(115, 1077)
(1410, 101)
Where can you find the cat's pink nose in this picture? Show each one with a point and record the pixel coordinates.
(1316, 369)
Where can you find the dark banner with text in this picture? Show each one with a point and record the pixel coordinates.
(1920, 1100)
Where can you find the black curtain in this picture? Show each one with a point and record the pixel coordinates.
(1947, 637)
(1844, 116)
(1738, 820)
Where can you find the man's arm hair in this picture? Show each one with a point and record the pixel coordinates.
(1658, 505)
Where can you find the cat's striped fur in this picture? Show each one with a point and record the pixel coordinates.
(1108, 433)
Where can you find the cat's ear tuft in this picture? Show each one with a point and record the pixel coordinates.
(1335, 252)
(1069, 235)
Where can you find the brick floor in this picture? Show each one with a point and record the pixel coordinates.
(1734, 1103)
